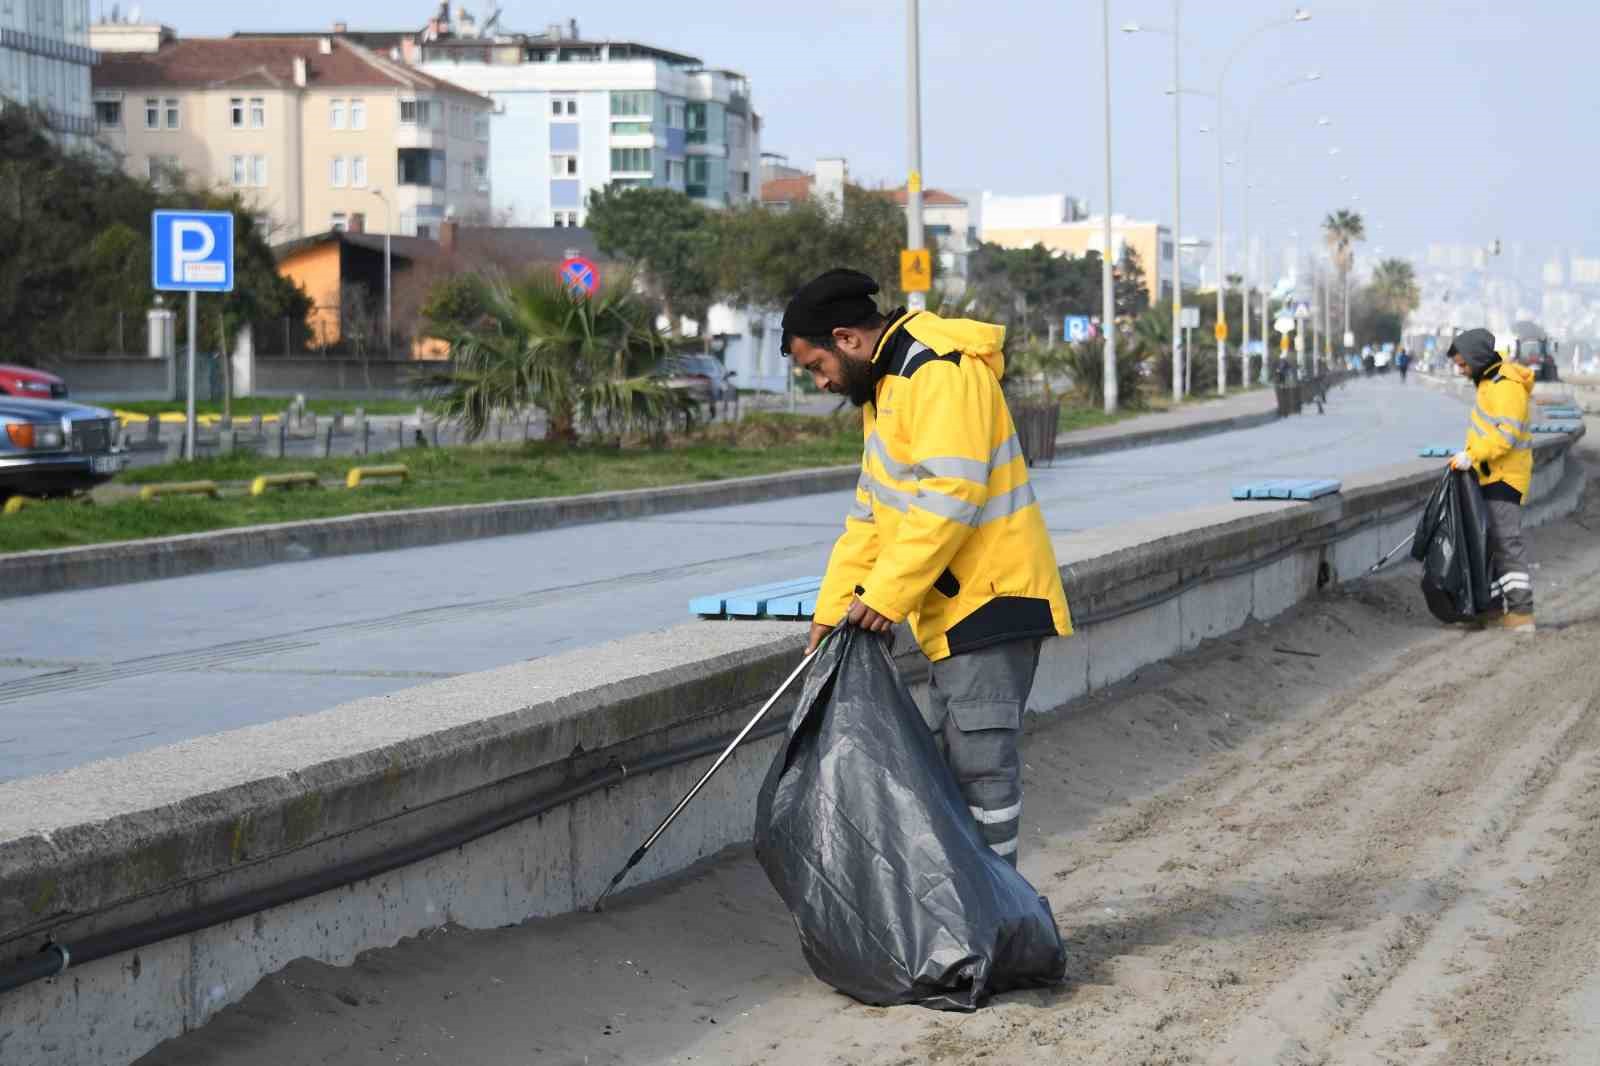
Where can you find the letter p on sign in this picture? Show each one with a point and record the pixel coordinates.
(192, 245)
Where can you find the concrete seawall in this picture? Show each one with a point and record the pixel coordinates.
(156, 835)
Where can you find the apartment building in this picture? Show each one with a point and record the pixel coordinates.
(45, 60)
(314, 132)
(574, 115)
(1057, 222)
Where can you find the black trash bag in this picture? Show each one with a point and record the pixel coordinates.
(1452, 543)
(863, 831)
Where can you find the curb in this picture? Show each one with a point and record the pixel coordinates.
(123, 562)
(98, 565)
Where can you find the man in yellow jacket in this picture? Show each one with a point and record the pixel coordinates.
(1500, 449)
(945, 533)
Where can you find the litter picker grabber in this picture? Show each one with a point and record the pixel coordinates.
(1379, 564)
(633, 860)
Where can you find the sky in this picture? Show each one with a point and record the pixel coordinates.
(1459, 121)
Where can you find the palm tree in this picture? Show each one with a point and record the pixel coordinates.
(1340, 231)
(1394, 283)
(584, 361)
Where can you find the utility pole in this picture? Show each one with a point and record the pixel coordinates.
(915, 301)
(1108, 296)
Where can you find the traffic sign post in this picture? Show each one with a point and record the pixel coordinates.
(579, 275)
(191, 251)
(916, 270)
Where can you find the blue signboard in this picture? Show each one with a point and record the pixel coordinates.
(192, 251)
(1077, 328)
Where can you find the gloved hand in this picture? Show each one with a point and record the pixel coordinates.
(1461, 461)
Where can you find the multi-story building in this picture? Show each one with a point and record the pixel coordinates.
(947, 222)
(572, 116)
(311, 131)
(1057, 223)
(45, 60)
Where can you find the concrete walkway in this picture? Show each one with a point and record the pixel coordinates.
(131, 667)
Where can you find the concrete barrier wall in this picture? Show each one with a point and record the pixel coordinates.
(155, 834)
(95, 378)
(318, 376)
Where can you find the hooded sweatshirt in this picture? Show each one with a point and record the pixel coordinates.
(945, 531)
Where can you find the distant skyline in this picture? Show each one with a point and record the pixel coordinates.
(1457, 122)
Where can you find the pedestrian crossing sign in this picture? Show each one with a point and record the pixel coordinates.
(916, 270)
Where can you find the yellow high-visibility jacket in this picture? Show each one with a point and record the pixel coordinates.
(945, 530)
(1499, 439)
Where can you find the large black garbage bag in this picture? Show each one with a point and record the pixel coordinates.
(1452, 543)
(863, 831)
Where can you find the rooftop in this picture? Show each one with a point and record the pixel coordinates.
(267, 62)
(789, 190)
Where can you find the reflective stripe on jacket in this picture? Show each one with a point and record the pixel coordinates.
(1499, 439)
(945, 531)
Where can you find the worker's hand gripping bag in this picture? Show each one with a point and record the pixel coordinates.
(1452, 543)
(863, 831)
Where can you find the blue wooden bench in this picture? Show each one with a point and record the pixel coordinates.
(1560, 410)
(1552, 427)
(1438, 451)
(794, 598)
(1287, 489)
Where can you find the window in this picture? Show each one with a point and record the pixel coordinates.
(108, 113)
(338, 175)
(675, 115)
(480, 167)
(172, 113)
(336, 114)
(417, 113)
(152, 114)
(163, 171)
(630, 160)
(629, 129)
(641, 103)
(240, 172)
(358, 172)
(258, 165)
(258, 113)
(564, 219)
(480, 127)
(339, 221)
(563, 107)
(358, 114)
(695, 123)
(236, 112)
(563, 166)
(421, 166)
(674, 172)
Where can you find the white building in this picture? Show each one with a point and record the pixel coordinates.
(44, 64)
(573, 115)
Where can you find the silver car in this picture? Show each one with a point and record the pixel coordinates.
(55, 447)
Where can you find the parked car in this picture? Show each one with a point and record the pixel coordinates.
(31, 384)
(702, 378)
(55, 447)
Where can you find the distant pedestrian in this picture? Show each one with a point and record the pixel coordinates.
(1500, 450)
(1402, 363)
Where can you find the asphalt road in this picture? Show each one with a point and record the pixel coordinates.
(104, 672)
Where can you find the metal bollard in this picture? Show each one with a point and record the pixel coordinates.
(327, 447)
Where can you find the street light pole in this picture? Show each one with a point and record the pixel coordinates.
(388, 285)
(915, 301)
(1108, 296)
(1177, 207)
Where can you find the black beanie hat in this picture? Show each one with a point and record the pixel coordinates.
(839, 297)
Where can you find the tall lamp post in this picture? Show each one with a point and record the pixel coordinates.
(1108, 296)
(916, 301)
(388, 285)
(1300, 15)
(1244, 210)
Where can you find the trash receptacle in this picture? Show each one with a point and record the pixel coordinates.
(1037, 422)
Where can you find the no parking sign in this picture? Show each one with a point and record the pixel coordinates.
(580, 276)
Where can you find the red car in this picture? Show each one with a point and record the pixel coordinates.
(31, 384)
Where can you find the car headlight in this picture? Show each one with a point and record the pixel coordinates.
(30, 437)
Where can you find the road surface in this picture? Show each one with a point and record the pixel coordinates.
(1351, 837)
(109, 671)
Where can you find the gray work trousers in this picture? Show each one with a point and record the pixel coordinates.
(1509, 576)
(975, 705)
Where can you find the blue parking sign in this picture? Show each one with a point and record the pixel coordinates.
(192, 251)
(1077, 328)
